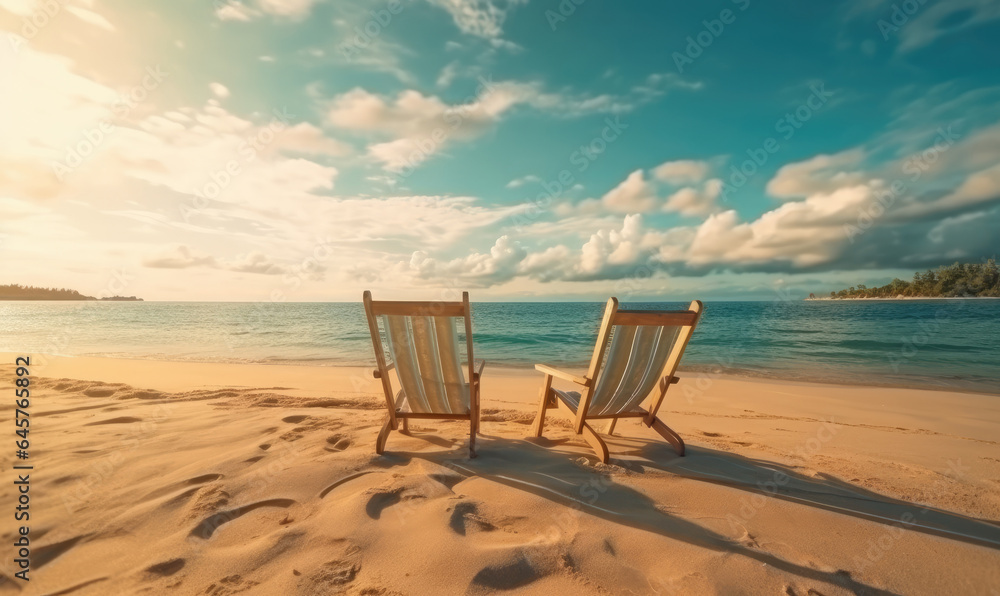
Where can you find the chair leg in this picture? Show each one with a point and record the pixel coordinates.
(611, 427)
(539, 425)
(383, 435)
(472, 438)
(406, 426)
(596, 443)
(668, 433)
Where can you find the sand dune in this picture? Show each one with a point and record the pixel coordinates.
(226, 479)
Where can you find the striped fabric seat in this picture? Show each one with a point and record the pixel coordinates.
(425, 352)
(635, 360)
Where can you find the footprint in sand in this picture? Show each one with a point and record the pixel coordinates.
(338, 443)
(294, 419)
(119, 420)
(231, 584)
(209, 525)
(331, 577)
(341, 481)
(264, 446)
(253, 459)
(381, 499)
(506, 576)
(465, 517)
(166, 568)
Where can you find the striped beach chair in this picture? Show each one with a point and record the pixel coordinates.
(635, 359)
(423, 348)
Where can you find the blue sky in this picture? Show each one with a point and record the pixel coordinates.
(521, 149)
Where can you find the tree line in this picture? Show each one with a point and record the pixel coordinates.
(19, 292)
(958, 280)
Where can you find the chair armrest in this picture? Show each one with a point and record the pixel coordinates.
(477, 374)
(378, 375)
(543, 368)
(667, 381)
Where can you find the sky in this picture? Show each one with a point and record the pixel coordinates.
(307, 150)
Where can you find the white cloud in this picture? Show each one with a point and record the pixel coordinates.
(448, 74)
(802, 233)
(696, 201)
(633, 195)
(978, 189)
(236, 10)
(179, 257)
(481, 18)
(383, 56)
(936, 20)
(91, 17)
(308, 139)
(419, 126)
(480, 270)
(295, 9)
(686, 171)
(45, 118)
(185, 257)
(822, 173)
(519, 182)
(219, 90)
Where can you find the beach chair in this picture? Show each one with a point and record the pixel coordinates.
(639, 351)
(422, 346)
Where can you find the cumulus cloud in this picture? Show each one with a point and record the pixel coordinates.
(847, 228)
(633, 195)
(695, 201)
(478, 269)
(822, 173)
(419, 125)
(685, 171)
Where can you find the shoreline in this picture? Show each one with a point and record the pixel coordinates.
(698, 371)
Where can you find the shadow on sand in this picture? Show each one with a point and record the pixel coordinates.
(549, 469)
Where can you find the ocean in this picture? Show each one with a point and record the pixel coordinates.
(946, 344)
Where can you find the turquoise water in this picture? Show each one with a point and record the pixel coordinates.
(942, 344)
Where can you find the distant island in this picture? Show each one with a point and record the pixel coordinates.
(18, 292)
(961, 280)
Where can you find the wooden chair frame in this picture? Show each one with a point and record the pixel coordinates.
(686, 319)
(433, 309)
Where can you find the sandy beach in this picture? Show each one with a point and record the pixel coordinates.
(225, 478)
